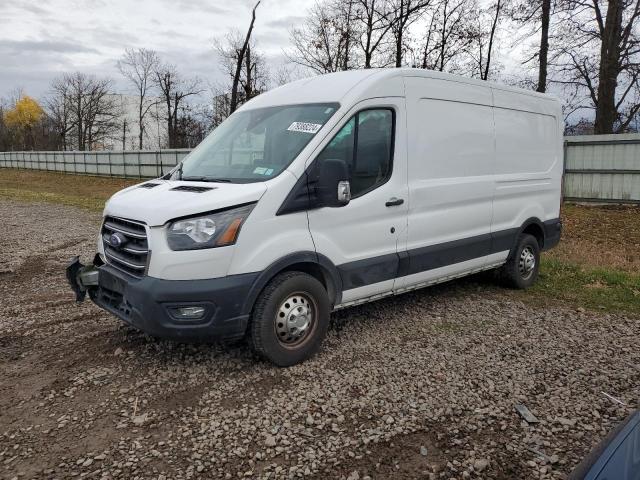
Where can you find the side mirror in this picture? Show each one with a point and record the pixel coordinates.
(333, 189)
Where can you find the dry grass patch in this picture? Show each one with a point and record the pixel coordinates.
(600, 236)
(76, 190)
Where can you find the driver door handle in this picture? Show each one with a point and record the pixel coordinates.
(394, 202)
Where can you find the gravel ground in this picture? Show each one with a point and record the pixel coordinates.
(419, 386)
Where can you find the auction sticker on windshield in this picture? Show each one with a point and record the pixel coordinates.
(304, 127)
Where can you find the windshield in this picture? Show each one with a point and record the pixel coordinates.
(255, 145)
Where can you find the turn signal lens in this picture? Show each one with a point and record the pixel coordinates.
(230, 234)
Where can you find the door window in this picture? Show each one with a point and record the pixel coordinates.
(365, 143)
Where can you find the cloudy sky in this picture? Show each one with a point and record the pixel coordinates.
(42, 39)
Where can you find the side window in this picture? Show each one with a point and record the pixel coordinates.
(365, 143)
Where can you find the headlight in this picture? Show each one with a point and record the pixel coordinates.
(208, 231)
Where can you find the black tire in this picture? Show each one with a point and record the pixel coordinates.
(275, 340)
(517, 272)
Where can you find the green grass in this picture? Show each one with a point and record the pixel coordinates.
(593, 288)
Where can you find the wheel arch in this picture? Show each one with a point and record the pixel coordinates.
(312, 263)
(534, 226)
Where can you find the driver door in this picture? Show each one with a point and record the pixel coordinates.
(364, 237)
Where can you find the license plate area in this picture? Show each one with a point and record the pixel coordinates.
(110, 282)
(111, 294)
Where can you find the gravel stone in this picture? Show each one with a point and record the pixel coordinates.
(417, 386)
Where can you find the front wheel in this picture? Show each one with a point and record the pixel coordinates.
(290, 319)
(523, 264)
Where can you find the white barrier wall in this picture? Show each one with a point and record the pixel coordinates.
(603, 168)
(130, 164)
(598, 168)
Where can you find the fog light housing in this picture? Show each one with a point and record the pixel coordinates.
(188, 312)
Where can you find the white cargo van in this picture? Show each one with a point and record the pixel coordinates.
(330, 192)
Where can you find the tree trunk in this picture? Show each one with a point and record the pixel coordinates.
(609, 68)
(174, 126)
(124, 135)
(169, 121)
(485, 75)
(240, 61)
(369, 33)
(347, 41)
(79, 126)
(399, 35)
(140, 122)
(544, 46)
(248, 91)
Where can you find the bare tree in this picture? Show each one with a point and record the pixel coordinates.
(240, 58)
(84, 110)
(192, 125)
(535, 18)
(601, 52)
(138, 66)
(59, 110)
(325, 42)
(283, 74)
(373, 17)
(483, 39)
(402, 15)
(254, 75)
(449, 35)
(174, 90)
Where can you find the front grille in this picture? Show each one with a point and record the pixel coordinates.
(133, 254)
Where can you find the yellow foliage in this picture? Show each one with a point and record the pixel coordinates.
(25, 114)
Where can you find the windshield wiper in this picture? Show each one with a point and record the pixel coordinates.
(205, 179)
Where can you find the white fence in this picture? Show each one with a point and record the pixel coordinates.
(130, 164)
(603, 168)
(598, 168)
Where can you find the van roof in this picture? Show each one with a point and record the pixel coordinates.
(353, 85)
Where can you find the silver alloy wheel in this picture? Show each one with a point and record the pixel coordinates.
(527, 262)
(295, 319)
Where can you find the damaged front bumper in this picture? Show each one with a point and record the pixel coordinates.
(82, 277)
(153, 305)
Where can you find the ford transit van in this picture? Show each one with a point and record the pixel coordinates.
(330, 192)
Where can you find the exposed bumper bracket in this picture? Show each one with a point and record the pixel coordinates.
(80, 277)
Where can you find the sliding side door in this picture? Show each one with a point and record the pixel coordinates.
(451, 152)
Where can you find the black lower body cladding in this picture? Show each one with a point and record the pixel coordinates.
(552, 233)
(146, 303)
(386, 267)
(149, 303)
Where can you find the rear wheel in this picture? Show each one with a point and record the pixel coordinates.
(523, 264)
(290, 319)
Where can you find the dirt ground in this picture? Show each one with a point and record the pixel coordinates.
(418, 386)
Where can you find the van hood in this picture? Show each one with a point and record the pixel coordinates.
(172, 199)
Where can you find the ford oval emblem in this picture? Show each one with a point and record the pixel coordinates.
(117, 240)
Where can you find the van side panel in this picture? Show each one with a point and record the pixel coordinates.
(451, 153)
(528, 166)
